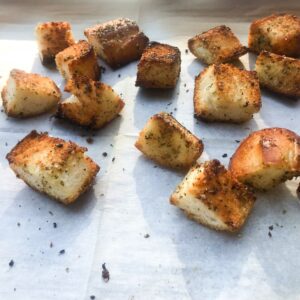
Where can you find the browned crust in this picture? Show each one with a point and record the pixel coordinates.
(220, 192)
(60, 38)
(160, 56)
(121, 40)
(62, 150)
(266, 145)
(190, 139)
(289, 45)
(77, 56)
(211, 37)
(223, 73)
(287, 77)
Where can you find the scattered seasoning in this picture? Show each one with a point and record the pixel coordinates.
(271, 227)
(269, 234)
(40, 228)
(18, 224)
(119, 75)
(102, 69)
(113, 159)
(15, 289)
(147, 235)
(187, 91)
(67, 270)
(6, 144)
(54, 225)
(111, 145)
(184, 85)
(284, 212)
(90, 140)
(59, 145)
(237, 141)
(105, 273)
(11, 263)
(186, 51)
(51, 244)
(62, 252)
(154, 166)
(224, 155)
(51, 213)
(92, 297)
(104, 154)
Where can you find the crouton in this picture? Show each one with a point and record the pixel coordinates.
(117, 42)
(266, 158)
(53, 37)
(92, 104)
(278, 73)
(279, 33)
(168, 143)
(211, 196)
(217, 45)
(226, 93)
(78, 60)
(159, 66)
(27, 94)
(53, 166)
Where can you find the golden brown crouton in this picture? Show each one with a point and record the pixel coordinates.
(92, 104)
(217, 45)
(78, 60)
(226, 93)
(53, 37)
(118, 42)
(53, 166)
(159, 66)
(279, 33)
(168, 143)
(267, 157)
(278, 73)
(28, 94)
(211, 196)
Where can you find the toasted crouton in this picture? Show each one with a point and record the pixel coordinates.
(279, 33)
(217, 45)
(53, 37)
(53, 166)
(278, 73)
(27, 94)
(159, 66)
(267, 157)
(226, 93)
(211, 196)
(78, 60)
(168, 143)
(92, 104)
(118, 42)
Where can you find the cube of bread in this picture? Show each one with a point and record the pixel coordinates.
(53, 166)
(117, 42)
(211, 196)
(267, 157)
(92, 104)
(53, 37)
(279, 73)
(217, 45)
(28, 94)
(279, 33)
(226, 93)
(168, 143)
(159, 66)
(78, 60)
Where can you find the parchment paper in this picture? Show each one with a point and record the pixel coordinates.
(150, 248)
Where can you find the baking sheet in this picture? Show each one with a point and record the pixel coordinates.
(179, 259)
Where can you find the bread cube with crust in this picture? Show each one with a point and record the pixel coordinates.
(78, 60)
(168, 143)
(117, 42)
(217, 45)
(28, 94)
(225, 93)
(92, 104)
(278, 33)
(53, 37)
(57, 168)
(266, 158)
(211, 196)
(159, 66)
(279, 73)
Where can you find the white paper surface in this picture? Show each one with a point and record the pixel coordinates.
(180, 259)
